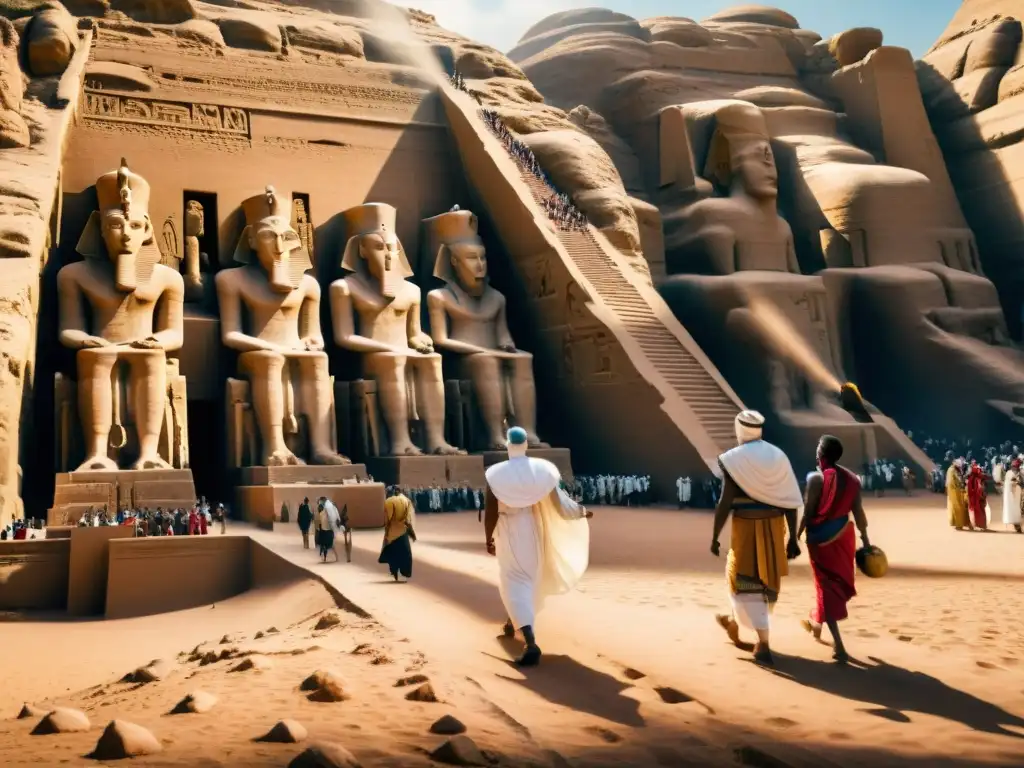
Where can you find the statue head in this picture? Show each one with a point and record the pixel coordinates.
(741, 153)
(373, 247)
(461, 257)
(269, 235)
(749, 426)
(194, 222)
(120, 229)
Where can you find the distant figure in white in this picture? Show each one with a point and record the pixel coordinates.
(543, 538)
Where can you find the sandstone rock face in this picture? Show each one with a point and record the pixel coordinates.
(972, 81)
(52, 38)
(13, 129)
(257, 32)
(855, 162)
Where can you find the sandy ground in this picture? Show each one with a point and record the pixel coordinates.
(635, 673)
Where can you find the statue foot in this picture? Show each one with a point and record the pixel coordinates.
(329, 458)
(98, 464)
(532, 441)
(447, 450)
(282, 459)
(150, 462)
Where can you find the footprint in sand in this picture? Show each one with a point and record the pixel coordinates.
(905, 638)
(867, 635)
(986, 665)
(671, 695)
(781, 722)
(840, 736)
(633, 674)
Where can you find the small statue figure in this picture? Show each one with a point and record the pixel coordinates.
(194, 260)
(281, 350)
(302, 225)
(376, 311)
(134, 320)
(467, 318)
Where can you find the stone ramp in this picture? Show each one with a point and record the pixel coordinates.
(696, 401)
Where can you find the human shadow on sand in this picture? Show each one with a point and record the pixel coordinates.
(896, 691)
(565, 682)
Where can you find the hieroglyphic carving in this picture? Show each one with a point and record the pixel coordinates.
(198, 117)
(170, 255)
(302, 224)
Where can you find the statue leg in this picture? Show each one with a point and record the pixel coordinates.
(430, 398)
(389, 371)
(95, 404)
(316, 399)
(265, 371)
(524, 396)
(489, 386)
(148, 385)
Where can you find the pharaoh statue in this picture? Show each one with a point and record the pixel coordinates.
(194, 260)
(122, 311)
(743, 230)
(376, 312)
(467, 319)
(281, 348)
(733, 262)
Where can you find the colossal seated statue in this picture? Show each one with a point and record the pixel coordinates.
(122, 311)
(376, 312)
(270, 315)
(467, 319)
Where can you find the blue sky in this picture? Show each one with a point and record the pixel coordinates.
(913, 24)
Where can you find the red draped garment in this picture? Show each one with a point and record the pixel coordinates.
(832, 546)
(977, 495)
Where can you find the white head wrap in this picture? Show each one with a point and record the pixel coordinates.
(749, 426)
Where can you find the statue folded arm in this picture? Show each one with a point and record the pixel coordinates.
(231, 332)
(73, 333)
(505, 342)
(343, 323)
(169, 322)
(309, 317)
(439, 328)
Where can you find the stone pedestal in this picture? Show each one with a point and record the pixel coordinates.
(262, 491)
(560, 457)
(424, 471)
(76, 492)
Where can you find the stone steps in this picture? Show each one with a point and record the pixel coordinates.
(684, 373)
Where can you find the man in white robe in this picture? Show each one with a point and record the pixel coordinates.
(761, 494)
(1013, 487)
(543, 538)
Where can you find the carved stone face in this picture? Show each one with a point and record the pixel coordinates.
(469, 263)
(124, 237)
(383, 260)
(194, 219)
(754, 162)
(273, 239)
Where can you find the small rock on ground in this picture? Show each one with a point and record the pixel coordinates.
(423, 693)
(122, 739)
(196, 702)
(459, 750)
(325, 755)
(327, 621)
(286, 732)
(62, 720)
(411, 680)
(448, 725)
(255, 663)
(156, 670)
(31, 710)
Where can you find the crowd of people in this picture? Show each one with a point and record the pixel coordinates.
(20, 529)
(325, 523)
(198, 520)
(434, 499)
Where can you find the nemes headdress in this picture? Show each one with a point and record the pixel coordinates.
(269, 205)
(735, 124)
(370, 219)
(128, 192)
(445, 230)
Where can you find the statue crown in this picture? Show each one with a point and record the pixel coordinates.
(264, 205)
(370, 217)
(122, 189)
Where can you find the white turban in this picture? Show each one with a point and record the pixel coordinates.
(749, 426)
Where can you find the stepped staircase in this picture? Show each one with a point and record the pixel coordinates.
(714, 407)
(696, 398)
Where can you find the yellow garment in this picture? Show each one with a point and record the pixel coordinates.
(956, 499)
(757, 554)
(398, 517)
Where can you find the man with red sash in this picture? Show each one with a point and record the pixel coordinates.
(977, 495)
(833, 493)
